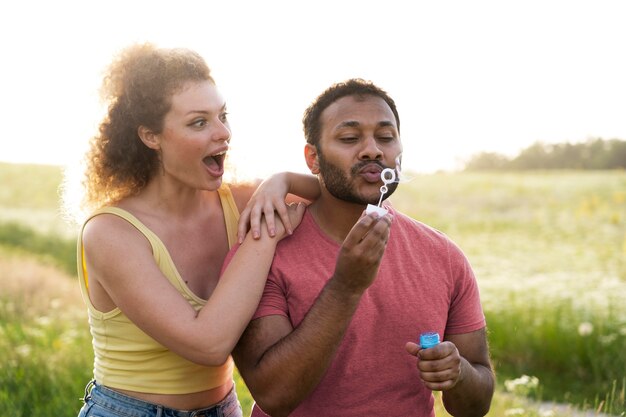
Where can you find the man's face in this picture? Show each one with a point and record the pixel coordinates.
(359, 139)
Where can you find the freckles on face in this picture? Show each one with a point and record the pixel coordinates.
(197, 111)
(194, 99)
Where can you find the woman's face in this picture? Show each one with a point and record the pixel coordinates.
(195, 136)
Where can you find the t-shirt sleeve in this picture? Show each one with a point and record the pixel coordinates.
(466, 313)
(229, 257)
(273, 301)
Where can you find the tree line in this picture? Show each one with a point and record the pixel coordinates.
(592, 154)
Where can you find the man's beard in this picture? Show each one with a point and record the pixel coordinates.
(341, 187)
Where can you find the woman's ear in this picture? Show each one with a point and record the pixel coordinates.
(149, 138)
(311, 157)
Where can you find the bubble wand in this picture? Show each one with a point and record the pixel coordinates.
(388, 176)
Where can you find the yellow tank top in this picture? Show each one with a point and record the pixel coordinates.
(127, 358)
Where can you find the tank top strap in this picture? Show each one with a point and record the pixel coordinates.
(231, 213)
(158, 249)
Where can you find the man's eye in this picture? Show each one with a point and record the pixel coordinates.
(349, 139)
(386, 138)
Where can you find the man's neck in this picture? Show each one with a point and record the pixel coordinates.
(335, 217)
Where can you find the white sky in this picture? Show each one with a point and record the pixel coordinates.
(467, 76)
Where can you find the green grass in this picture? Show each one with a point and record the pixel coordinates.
(49, 247)
(44, 339)
(520, 224)
(30, 195)
(548, 249)
(31, 219)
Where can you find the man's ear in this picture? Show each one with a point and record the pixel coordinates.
(311, 157)
(149, 138)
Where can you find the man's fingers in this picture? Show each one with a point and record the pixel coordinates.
(412, 348)
(361, 229)
(377, 232)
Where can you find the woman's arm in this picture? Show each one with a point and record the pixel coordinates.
(120, 263)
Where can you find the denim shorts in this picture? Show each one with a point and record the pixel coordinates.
(104, 402)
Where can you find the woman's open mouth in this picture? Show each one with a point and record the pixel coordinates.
(215, 163)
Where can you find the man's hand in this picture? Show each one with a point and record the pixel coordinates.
(439, 366)
(460, 368)
(361, 253)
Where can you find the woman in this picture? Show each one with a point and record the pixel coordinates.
(150, 254)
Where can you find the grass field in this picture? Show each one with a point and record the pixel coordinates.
(548, 248)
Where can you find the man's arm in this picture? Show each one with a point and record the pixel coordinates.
(282, 365)
(461, 369)
(472, 394)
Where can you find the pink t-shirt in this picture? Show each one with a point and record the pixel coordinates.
(425, 283)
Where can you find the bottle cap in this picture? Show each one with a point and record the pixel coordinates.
(372, 208)
(429, 339)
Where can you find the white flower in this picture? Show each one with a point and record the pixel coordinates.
(522, 385)
(23, 350)
(585, 328)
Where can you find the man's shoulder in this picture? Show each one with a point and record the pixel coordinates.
(411, 224)
(306, 239)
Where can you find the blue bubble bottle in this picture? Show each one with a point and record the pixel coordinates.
(429, 339)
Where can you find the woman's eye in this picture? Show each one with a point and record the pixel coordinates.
(199, 123)
(224, 117)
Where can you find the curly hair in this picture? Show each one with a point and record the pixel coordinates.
(353, 87)
(138, 87)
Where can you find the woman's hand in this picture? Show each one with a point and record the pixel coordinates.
(294, 212)
(267, 199)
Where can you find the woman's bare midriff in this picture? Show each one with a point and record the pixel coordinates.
(202, 399)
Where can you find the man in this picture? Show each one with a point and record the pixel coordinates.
(349, 294)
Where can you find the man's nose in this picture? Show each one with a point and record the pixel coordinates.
(370, 150)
